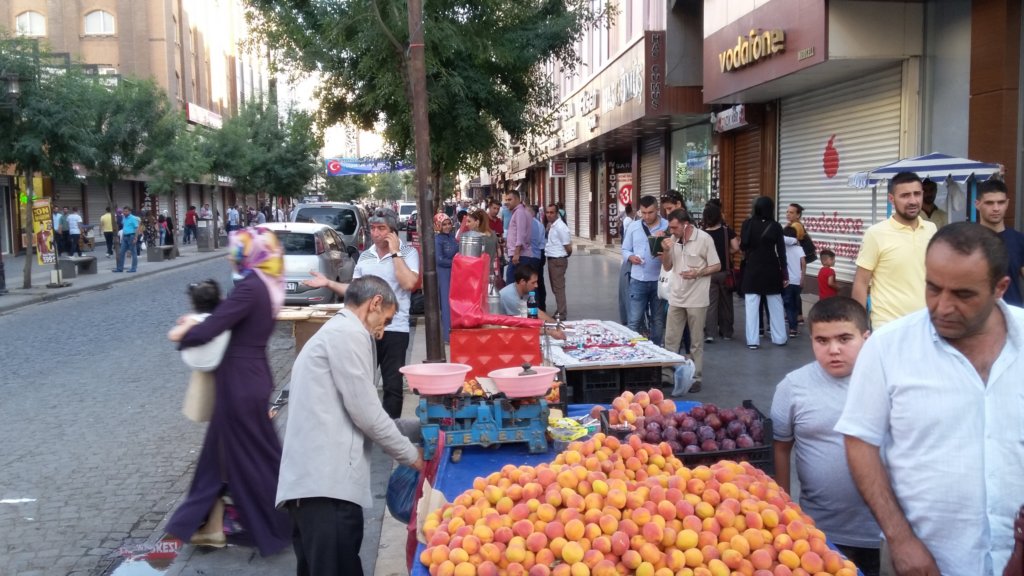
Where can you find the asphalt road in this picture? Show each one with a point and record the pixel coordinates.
(95, 449)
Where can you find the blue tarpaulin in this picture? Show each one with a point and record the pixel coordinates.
(356, 166)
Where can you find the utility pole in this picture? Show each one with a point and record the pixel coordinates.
(425, 195)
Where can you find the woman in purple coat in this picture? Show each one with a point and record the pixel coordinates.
(241, 453)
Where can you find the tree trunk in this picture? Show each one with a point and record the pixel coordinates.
(30, 192)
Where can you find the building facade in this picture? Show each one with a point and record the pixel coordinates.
(190, 48)
(810, 93)
(632, 121)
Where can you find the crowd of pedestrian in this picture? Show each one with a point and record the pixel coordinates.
(872, 470)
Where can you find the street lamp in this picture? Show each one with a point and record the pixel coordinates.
(10, 90)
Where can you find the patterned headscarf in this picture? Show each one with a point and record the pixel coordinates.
(257, 250)
(439, 220)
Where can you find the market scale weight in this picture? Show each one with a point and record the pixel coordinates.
(479, 421)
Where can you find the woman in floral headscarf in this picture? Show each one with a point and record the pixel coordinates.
(447, 248)
(241, 453)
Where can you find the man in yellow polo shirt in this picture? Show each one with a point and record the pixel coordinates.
(107, 226)
(891, 259)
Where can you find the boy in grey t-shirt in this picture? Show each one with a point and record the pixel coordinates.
(806, 407)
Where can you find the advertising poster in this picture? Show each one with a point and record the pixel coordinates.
(620, 192)
(42, 227)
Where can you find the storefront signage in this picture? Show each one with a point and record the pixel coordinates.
(620, 192)
(588, 101)
(570, 132)
(568, 111)
(655, 74)
(592, 123)
(628, 84)
(730, 118)
(557, 168)
(756, 46)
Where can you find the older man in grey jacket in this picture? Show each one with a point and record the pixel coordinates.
(333, 417)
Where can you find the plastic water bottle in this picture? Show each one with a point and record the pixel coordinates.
(531, 305)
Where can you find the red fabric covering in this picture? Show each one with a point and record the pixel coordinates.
(468, 296)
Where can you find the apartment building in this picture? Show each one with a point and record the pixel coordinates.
(190, 48)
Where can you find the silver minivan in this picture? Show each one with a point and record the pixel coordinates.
(348, 220)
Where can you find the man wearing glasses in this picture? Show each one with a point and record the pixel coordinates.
(398, 264)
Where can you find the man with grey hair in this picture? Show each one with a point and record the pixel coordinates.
(399, 265)
(333, 417)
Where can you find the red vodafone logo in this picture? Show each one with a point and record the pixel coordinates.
(626, 194)
(830, 159)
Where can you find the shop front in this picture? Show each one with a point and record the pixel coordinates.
(808, 94)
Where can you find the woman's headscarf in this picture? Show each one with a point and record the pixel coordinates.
(258, 251)
(439, 220)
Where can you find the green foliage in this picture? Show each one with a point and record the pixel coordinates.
(44, 128)
(265, 153)
(346, 188)
(387, 186)
(483, 58)
(181, 159)
(125, 129)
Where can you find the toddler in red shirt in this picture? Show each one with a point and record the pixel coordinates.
(827, 287)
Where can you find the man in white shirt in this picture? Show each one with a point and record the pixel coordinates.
(934, 416)
(75, 232)
(333, 416)
(557, 250)
(399, 265)
(690, 254)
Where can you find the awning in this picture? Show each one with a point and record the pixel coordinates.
(935, 166)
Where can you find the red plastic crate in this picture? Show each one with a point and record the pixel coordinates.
(487, 349)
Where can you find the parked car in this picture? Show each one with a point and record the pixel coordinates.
(309, 246)
(405, 210)
(348, 220)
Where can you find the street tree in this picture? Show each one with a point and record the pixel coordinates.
(125, 134)
(263, 152)
(41, 126)
(484, 61)
(387, 186)
(180, 160)
(346, 188)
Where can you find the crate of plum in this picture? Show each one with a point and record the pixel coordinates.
(704, 435)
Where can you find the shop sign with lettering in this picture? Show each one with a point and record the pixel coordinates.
(588, 101)
(757, 45)
(570, 132)
(628, 84)
(729, 119)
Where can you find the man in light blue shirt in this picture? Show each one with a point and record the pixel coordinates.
(129, 228)
(643, 285)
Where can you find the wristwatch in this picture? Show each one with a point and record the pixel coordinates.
(396, 254)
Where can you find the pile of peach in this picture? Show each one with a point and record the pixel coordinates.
(606, 507)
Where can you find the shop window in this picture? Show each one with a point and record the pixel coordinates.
(99, 23)
(690, 171)
(31, 24)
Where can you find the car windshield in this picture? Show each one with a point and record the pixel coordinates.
(296, 243)
(406, 209)
(340, 219)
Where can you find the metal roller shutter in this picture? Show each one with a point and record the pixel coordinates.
(845, 128)
(572, 199)
(70, 194)
(746, 174)
(586, 193)
(650, 166)
(95, 201)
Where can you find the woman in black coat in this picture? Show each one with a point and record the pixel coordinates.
(764, 270)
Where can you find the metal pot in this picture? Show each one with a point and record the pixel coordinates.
(471, 245)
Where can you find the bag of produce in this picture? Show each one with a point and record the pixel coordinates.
(401, 492)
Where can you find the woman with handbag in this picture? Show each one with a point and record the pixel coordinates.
(241, 453)
(764, 275)
(719, 322)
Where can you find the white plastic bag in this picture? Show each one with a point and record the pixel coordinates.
(684, 378)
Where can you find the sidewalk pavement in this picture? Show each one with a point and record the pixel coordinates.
(17, 297)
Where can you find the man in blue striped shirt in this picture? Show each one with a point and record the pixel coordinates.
(643, 283)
